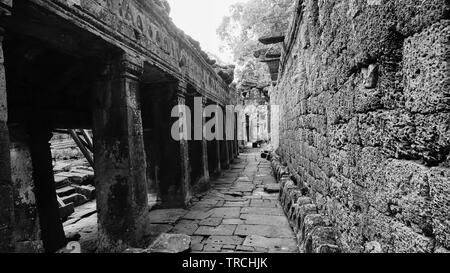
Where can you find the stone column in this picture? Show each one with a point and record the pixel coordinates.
(40, 132)
(227, 154)
(151, 111)
(218, 145)
(120, 163)
(231, 142)
(225, 151)
(26, 231)
(184, 179)
(236, 134)
(230, 116)
(204, 147)
(6, 186)
(269, 120)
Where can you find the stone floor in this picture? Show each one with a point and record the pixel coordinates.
(241, 212)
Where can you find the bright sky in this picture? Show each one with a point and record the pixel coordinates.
(200, 19)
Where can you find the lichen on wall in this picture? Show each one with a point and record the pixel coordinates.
(365, 121)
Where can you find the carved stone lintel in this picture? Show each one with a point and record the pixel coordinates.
(124, 66)
(131, 66)
(181, 89)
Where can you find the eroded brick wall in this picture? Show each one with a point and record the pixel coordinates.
(365, 119)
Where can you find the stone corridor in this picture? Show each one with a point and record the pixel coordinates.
(241, 212)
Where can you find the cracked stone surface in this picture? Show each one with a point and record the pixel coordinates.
(237, 214)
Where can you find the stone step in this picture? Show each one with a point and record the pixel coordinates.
(65, 191)
(88, 191)
(61, 181)
(76, 198)
(78, 178)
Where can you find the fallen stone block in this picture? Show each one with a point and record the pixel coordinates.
(136, 251)
(171, 243)
(88, 191)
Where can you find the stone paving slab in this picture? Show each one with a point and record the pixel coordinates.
(198, 215)
(212, 248)
(211, 222)
(185, 227)
(233, 222)
(226, 213)
(262, 211)
(225, 240)
(226, 230)
(197, 239)
(236, 204)
(273, 244)
(264, 203)
(264, 230)
(157, 229)
(269, 220)
(166, 216)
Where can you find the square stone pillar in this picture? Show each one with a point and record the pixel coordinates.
(205, 169)
(120, 162)
(230, 123)
(219, 155)
(219, 149)
(39, 128)
(176, 188)
(27, 236)
(224, 143)
(227, 154)
(236, 134)
(6, 185)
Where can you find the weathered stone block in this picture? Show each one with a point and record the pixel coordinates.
(170, 243)
(320, 240)
(310, 222)
(440, 205)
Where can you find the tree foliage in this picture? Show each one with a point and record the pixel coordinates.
(251, 20)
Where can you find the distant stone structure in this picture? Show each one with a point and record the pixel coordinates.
(365, 121)
(254, 89)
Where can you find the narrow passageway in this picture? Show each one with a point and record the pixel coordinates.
(240, 213)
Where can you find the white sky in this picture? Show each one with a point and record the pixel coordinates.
(200, 19)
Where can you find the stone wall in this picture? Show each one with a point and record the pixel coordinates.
(365, 119)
